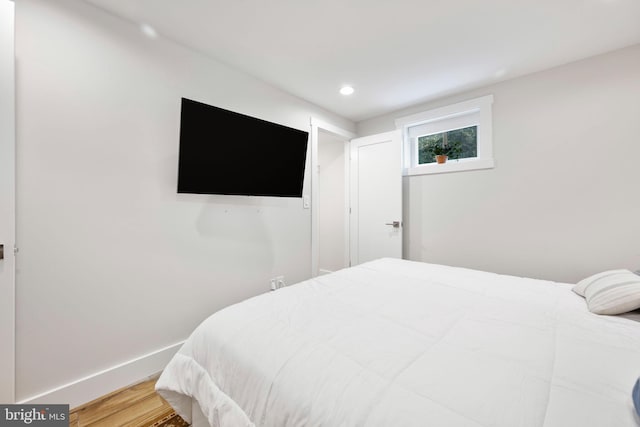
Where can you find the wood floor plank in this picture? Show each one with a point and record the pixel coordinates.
(73, 419)
(150, 417)
(108, 406)
(135, 405)
(150, 407)
(142, 389)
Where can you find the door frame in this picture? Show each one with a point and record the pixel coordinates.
(316, 126)
(7, 202)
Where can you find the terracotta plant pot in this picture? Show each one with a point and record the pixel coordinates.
(441, 158)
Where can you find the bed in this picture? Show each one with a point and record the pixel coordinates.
(402, 343)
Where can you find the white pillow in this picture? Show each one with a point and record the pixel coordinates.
(610, 292)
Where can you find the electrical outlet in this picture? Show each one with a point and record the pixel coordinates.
(277, 283)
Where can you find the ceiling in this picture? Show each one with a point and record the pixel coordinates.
(394, 53)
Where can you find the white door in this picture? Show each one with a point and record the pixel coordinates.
(7, 203)
(376, 197)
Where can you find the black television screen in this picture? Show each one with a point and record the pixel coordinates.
(223, 152)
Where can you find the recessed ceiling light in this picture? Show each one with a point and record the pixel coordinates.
(346, 90)
(148, 31)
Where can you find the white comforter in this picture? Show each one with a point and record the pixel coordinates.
(400, 343)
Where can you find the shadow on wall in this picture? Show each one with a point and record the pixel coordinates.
(236, 226)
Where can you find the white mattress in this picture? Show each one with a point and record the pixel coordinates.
(400, 343)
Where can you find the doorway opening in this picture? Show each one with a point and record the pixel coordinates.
(329, 198)
(333, 252)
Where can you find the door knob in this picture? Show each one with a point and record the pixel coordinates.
(395, 224)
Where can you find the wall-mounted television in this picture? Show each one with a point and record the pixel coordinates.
(224, 152)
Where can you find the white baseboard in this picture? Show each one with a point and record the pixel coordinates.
(100, 383)
(323, 271)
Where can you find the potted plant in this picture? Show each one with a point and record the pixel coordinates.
(442, 151)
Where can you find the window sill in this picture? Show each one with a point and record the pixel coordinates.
(450, 166)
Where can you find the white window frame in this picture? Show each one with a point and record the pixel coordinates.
(446, 118)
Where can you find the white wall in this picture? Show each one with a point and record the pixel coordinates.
(113, 263)
(7, 199)
(332, 189)
(562, 201)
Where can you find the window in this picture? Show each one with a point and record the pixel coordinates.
(461, 131)
(461, 143)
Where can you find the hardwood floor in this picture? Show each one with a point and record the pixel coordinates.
(134, 406)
